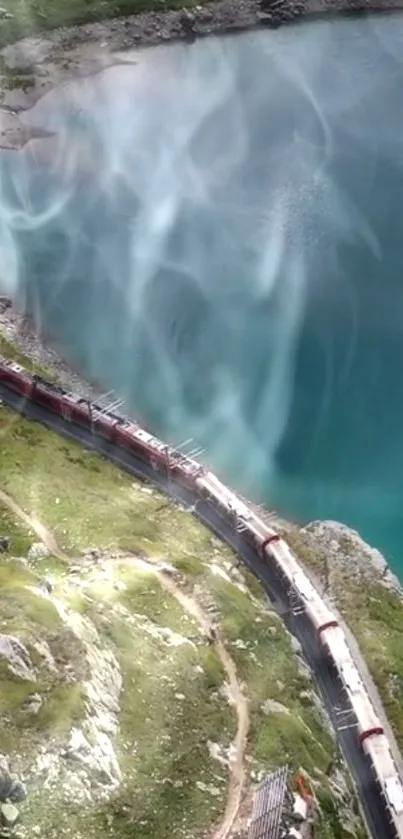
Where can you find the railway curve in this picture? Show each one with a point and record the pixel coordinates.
(335, 698)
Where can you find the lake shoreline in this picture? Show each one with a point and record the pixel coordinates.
(35, 64)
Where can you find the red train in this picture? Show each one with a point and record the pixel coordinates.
(115, 429)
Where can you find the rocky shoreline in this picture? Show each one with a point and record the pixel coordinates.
(38, 63)
(214, 17)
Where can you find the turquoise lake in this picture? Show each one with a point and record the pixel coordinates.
(216, 232)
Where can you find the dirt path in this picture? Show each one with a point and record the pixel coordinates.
(237, 763)
(31, 521)
(193, 608)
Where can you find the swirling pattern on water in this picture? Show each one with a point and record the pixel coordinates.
(216, 232)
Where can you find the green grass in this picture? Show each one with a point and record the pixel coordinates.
(85, 500)
(33, 16)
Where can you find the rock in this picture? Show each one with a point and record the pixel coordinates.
(38, 551)
(271, 706)
(5, 779)
(4, 543)
(11, 788)
(17, 791)
(188, 20)
(33, 703)
(295, 645)
(17, 657)
(9, 814)
(47, 585)
(349, 554)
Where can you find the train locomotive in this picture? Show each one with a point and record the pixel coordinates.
(128, 435)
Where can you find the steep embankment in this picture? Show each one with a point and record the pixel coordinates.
(120, 710)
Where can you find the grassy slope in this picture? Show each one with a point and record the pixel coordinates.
(374, 614)
(32, 16)
(163, 740)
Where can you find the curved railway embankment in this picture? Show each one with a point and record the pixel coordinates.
(338, 700)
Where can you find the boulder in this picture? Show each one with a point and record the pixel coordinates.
(9, 814)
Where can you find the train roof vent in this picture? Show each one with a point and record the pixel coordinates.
(304, 586)
(351, 676)
(394, 792)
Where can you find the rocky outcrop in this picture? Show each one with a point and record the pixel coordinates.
(85, 767)
(17, 658)
(346, 552)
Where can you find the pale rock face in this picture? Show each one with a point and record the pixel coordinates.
(17, 658)
(346, 548)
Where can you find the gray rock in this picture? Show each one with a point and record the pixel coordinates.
(295, 645)
(17, 791)
(47, 585)
(9, 814)
(38, 551)
(33, 703)
(17, 657)
(4, 543)
(11, 788)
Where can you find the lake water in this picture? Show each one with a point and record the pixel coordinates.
(217, 233)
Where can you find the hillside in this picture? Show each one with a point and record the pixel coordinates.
(121, 713)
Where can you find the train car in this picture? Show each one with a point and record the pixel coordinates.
(16, 378)
(384, 770)
(105, 424)
(74, 409)
(142, 444)
(316, 609)
(49, 395)
(211, 487)
(368, 722)
(302, 592)
(187, 470)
